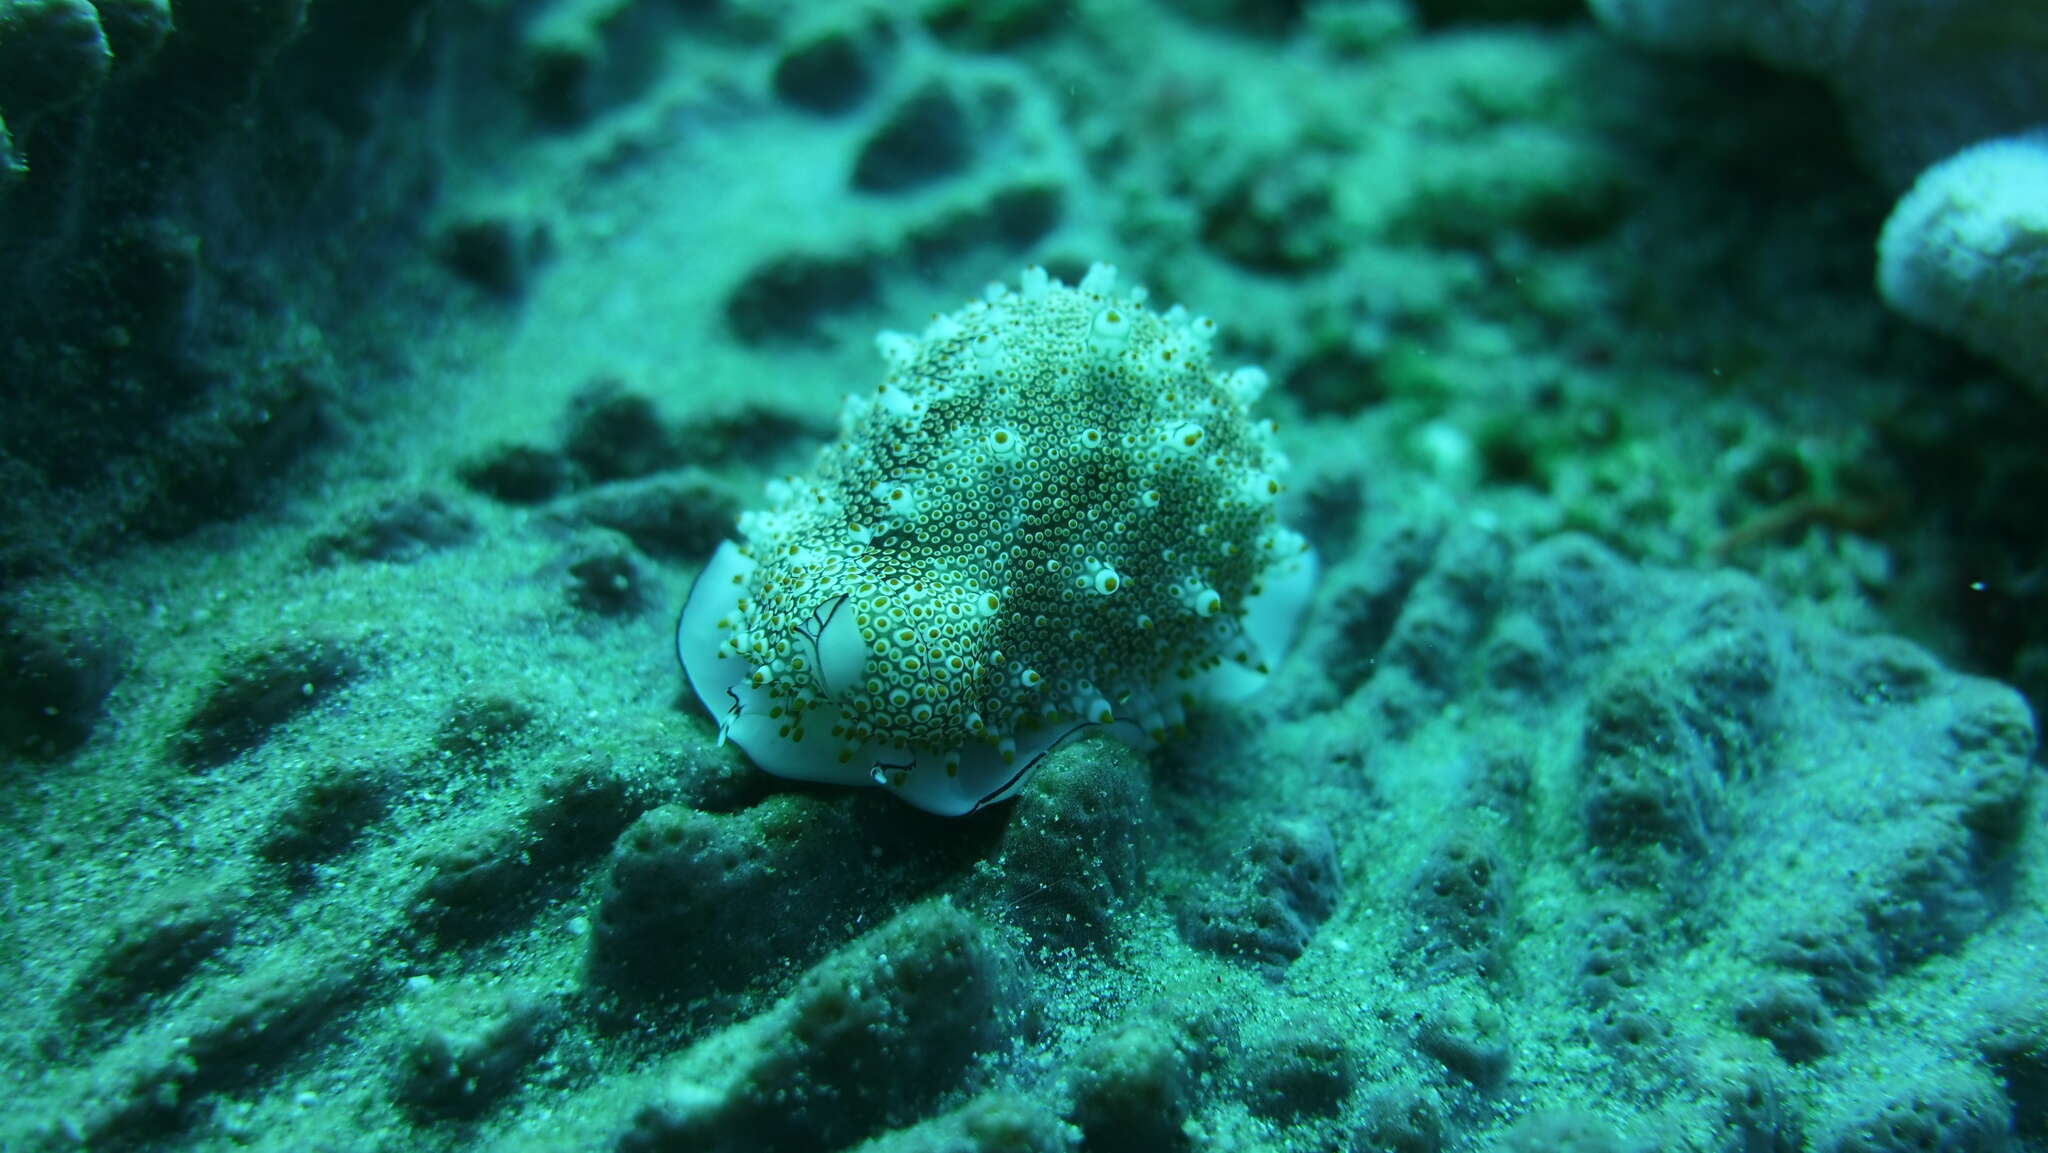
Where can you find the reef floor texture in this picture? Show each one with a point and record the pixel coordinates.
(1654, 770)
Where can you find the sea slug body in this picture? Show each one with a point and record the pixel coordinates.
(1052, 514)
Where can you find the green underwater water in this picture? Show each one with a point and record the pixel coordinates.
(1655, 768)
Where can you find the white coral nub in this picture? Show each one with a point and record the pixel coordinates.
(1054, 514)
(1966, 251)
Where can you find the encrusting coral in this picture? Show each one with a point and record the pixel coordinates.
(1053, 513)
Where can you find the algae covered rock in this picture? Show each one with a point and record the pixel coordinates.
(867, 1040)
(693, 901)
